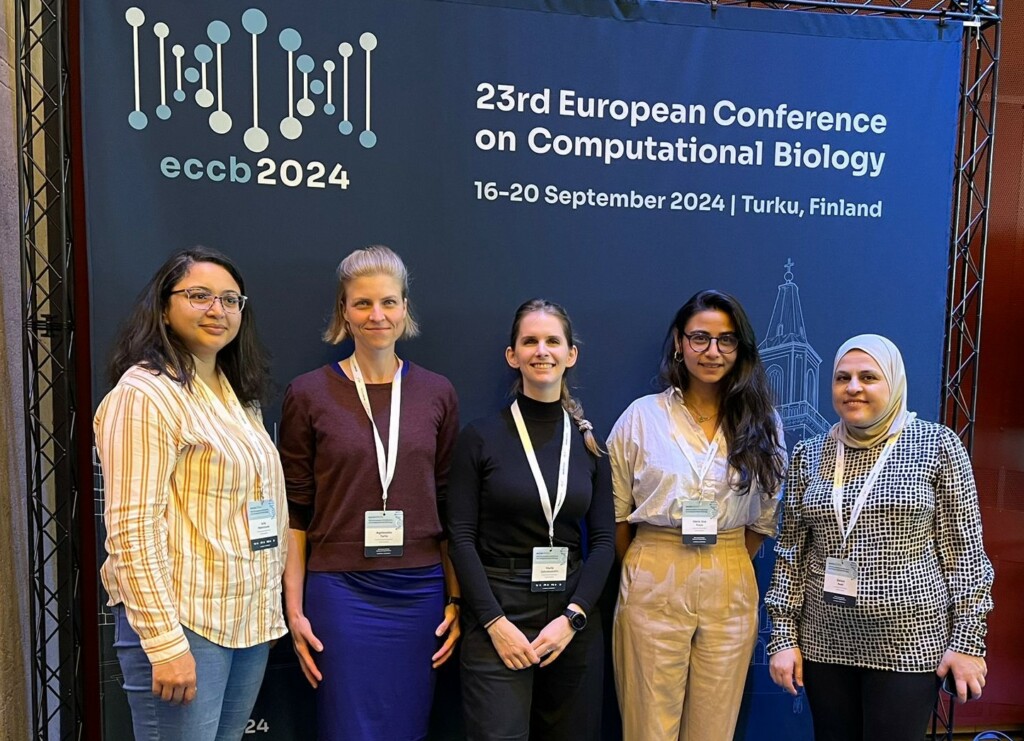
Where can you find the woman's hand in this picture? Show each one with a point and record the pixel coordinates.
(174, 681)
(968, 671)
(303, 639)
(551, 641)
(511, 644)
(449, 625)
(787, 670)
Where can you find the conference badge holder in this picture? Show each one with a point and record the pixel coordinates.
(262, 516)
(550, 567)
(700, 522)
(840, 582)
(384, 533)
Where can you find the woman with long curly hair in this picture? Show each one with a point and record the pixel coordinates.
(696, 471)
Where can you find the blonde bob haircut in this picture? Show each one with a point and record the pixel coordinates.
(373, 260)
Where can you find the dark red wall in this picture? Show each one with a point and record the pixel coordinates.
(999, 441)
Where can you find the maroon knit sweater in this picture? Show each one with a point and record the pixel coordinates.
(330, 464)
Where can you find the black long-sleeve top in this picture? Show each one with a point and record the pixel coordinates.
(494, 508)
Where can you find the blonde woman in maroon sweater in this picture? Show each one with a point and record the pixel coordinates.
(370, 599)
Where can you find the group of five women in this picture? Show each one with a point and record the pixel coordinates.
(392, 534)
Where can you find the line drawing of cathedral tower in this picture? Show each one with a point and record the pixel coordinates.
(792, 365)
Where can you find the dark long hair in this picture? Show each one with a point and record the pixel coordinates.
(571, 404)
(144, 339)
(746, 406)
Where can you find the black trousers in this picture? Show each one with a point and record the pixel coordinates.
(849, 703)
(559, 702)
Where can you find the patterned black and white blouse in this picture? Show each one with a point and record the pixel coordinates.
(924, 580)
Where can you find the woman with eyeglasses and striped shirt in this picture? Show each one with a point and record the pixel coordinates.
(194, 503)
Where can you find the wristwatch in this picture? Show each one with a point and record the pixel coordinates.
(577, 620)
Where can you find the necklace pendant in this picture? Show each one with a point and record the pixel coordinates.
(697, 416)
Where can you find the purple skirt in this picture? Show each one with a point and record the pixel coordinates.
(377, 628)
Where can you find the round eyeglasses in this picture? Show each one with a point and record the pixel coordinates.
(701, 341)
(200, 298)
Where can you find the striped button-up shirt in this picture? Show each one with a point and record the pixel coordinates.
(179, 469)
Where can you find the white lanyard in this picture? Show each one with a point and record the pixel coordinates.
(385, 467)
(563, 468)
(709, 459)
(837, 484)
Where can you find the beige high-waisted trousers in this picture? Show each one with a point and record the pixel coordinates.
(684, 632)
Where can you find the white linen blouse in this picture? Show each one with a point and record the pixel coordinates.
(651, 475)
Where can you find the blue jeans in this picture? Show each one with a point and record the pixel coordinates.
(228, 680)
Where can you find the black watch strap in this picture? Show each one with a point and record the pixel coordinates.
(577, 620)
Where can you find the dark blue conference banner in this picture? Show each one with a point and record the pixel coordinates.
(613, 156)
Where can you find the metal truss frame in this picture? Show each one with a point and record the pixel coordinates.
(972, 195)
(43, 109)
(51, 429)
(971, 11)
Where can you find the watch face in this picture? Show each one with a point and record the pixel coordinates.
(578, 621)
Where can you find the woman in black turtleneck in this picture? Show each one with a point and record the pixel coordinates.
(532, 646)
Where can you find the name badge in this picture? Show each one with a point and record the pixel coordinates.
(383, 534)
(262, 516)
(840, 582)
(700, 522)
(550, 567)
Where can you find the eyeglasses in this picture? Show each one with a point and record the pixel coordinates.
(701, 341)
(201, 299)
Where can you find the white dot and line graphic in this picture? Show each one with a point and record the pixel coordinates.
(369, 42)
(316, 92)
(255, 138)
(135, 17)
(161, 31)
(329, 69)
(203, 55)
(290, 41)
(220, 34)
(345, 49)
(179, 92)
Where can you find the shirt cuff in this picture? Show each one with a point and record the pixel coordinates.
(768, 523)
(784, 635)
(584, 605)
(299, 517)
(969, 639)
(490, 616)
(166, 647)
(622, 511)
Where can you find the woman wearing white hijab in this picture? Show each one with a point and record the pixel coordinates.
(881, 584)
